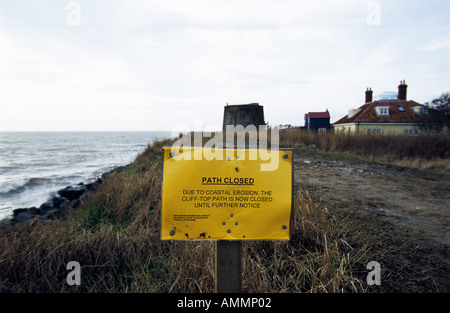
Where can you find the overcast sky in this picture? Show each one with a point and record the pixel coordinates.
(160, 64)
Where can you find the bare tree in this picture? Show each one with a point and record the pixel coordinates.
(438, 114)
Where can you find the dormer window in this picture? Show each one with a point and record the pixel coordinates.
(420, 110)
(352, 112)
(382, 110)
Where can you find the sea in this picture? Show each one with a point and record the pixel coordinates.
(35, 165)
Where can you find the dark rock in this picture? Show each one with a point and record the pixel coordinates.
(51, 214)
(4, 225)
(22, 217)
(72, 193)
(60, 202)
(94, 185)
(120, 169)
(31, 211)
(46, 206)
(55, 203)
(76, 203)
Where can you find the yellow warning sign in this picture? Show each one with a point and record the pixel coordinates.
(226, 198)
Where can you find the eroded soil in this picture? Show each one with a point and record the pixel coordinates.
(405, 196)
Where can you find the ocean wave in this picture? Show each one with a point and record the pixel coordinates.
(30, 172)
(9, 188)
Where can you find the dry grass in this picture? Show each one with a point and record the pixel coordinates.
(428, 151)
(318, 257)
(115, 236)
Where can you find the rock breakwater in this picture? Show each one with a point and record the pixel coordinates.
(57, 206)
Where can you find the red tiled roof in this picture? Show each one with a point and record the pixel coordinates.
(318, 115)
(367, 113)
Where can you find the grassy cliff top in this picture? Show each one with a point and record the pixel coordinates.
(115, 236)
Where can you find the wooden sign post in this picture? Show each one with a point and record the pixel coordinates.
(228, 266)
(235, 196)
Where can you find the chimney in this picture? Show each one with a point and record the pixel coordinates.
(369, 94)
(402, 90)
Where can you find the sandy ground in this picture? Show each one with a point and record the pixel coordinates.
(410, 197)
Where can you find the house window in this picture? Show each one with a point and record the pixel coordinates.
(382, 111)
(373, 131)
(411, 131)
(420, 110)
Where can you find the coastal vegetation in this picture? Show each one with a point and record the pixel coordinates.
(429, 151)
(114, 234)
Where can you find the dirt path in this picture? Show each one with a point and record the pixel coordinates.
(414, 198)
